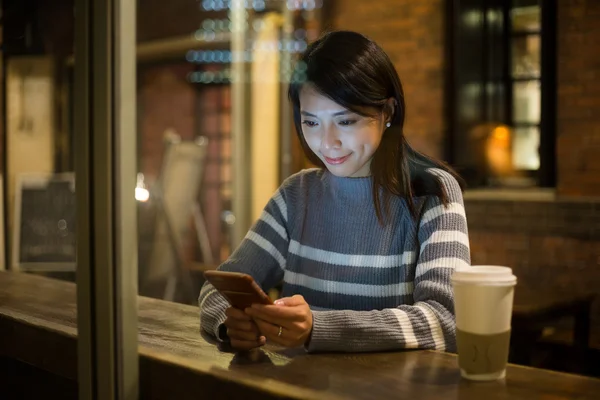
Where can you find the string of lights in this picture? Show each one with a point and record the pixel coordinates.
(225, 76)
(260, 5)
(214, 30)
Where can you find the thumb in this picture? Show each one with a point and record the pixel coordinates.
(295, 300)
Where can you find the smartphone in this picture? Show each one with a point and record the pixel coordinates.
(240, 290)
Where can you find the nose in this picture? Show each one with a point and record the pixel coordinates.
(330, 140)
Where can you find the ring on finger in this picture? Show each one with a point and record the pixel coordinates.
(280, 331)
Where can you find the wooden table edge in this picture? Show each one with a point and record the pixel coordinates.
(518, 366)
(271, 388)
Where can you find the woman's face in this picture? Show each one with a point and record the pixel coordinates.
(343, 140)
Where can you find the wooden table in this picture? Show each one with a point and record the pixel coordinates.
(38, 326)
(535, 309)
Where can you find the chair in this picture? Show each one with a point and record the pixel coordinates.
(175, 195)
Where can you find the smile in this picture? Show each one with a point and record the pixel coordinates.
(338, 160)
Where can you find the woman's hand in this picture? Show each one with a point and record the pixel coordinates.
(287, 323)
(242, 330)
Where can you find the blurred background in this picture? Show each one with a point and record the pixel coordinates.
(507, 92)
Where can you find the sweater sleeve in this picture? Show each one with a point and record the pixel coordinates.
(261, 254)
(428, 323)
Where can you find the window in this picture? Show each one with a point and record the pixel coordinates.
(501, 92)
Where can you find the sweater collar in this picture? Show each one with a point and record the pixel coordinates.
(349, 188)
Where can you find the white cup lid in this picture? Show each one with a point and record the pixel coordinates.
(484, 274)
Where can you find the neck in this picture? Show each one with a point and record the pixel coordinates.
(359, 188)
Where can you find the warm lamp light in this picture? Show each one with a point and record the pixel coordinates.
(141, 193)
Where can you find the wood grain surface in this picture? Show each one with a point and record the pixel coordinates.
(38, 326)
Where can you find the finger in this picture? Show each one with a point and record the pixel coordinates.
(271, 333)
(242, 325)
(266, 318)
(246, 345)
(268, 329)
(276, 314)
(296, 300)
(237, 314)
(242, 335)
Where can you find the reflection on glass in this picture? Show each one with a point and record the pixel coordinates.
(525, 16)
(526, 56)
(188, 74)
(40, 195)
(526, 102)
(525, 152)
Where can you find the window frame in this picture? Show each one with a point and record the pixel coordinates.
(456, 135)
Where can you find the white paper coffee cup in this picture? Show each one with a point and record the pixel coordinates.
(483, 300)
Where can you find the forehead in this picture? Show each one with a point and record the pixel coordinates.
(312, 101)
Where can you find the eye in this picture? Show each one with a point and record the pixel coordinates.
(347, 122)
(310, 124)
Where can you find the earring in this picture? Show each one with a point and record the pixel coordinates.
(388, 124)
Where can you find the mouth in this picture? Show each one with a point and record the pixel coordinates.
(336, 160)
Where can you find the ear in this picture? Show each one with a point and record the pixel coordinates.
(389, 109)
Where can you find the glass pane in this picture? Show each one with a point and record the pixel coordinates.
(496, 104)
(187, 75)
(526, 142)
(526, 102)
(40, 182)
(525, 16)
(526, 56)
(37, 186)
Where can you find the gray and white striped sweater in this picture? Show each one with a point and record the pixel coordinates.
(370, 287)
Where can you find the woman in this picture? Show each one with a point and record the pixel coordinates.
(365, 244)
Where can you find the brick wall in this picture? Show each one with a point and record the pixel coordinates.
(550, 244)
(411, 32)
(556, 244)
(578, 125)
(165, 101)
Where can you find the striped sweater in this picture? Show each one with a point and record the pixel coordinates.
(370, 287)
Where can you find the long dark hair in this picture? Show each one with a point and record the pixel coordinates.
(356, 73)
